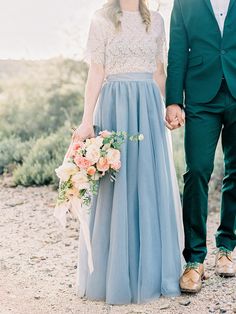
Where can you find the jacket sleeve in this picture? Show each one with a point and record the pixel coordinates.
(177, 57)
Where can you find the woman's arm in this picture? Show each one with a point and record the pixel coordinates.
(160, 77)
(93, 87)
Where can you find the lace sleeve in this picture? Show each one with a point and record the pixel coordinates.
(161, 54)
(96, 44)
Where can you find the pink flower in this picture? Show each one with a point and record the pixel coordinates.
(105, 133)
(78, 145)
(116, 166)
(91, 170)
(113, 155)
(82, 162)
(102, 164)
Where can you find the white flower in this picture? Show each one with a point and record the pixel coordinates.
(113, 155)
(66, 170)
(141, 137)
(80, 180)
(93, 153)
(98, 141)
(106, 146)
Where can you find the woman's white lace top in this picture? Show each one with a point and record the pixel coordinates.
(130, 49)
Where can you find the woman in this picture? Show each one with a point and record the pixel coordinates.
(135, 224)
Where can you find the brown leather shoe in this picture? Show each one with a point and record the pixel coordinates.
(191, 280)
(224, 263)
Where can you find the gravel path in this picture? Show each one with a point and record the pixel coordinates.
(38, 264)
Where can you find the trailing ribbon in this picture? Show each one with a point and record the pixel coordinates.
(78, 211)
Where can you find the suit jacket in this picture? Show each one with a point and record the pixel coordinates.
(198, 55)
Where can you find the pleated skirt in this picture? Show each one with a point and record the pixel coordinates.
(135, 222)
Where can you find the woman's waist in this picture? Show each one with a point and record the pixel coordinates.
(132, 76)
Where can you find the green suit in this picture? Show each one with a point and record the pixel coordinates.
(202, 76)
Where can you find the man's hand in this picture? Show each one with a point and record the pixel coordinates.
(175, 117)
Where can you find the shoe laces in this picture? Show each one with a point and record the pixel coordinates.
(224, 252)
(191, 265)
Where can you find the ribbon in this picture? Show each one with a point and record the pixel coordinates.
(78, 211)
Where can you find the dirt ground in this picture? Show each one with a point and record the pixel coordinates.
(38, 264)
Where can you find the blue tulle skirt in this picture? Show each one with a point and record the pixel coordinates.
(135, 222)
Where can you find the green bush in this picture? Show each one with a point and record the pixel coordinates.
(38, 167)
(38, 104)
(12, 152)
(35, 103)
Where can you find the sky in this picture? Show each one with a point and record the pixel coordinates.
(41, 29)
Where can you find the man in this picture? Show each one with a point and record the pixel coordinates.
(202, 64)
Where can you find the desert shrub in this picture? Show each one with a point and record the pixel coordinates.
(47, 153)
(12, 153)
(39, 103)
(35, 103)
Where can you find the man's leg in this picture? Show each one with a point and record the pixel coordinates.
(203, 128)
(226, 234)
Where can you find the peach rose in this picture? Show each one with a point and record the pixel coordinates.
(103, 164)
(113, 155)
(91, 170)
(116, 166)
(82, 162)
(93, 153)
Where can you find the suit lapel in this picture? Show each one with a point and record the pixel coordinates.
(232, 2)
(208, 3)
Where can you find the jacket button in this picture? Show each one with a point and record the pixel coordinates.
(223, 52)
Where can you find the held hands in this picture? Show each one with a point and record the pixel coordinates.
(84, 131)
(175, 117)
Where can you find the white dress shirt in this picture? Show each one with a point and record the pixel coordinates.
(220, 8)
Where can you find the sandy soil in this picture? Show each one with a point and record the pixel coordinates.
(38, 264)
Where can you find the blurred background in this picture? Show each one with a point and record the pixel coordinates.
(42, 78)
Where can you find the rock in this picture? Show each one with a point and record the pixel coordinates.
(37, 297)
(165, 306)
(185, 302)
(15, 204)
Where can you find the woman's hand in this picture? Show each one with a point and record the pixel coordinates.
(84, 131)
(175, 117)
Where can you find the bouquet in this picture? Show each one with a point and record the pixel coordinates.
(84, 164)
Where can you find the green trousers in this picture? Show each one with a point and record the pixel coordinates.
(204, 125)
